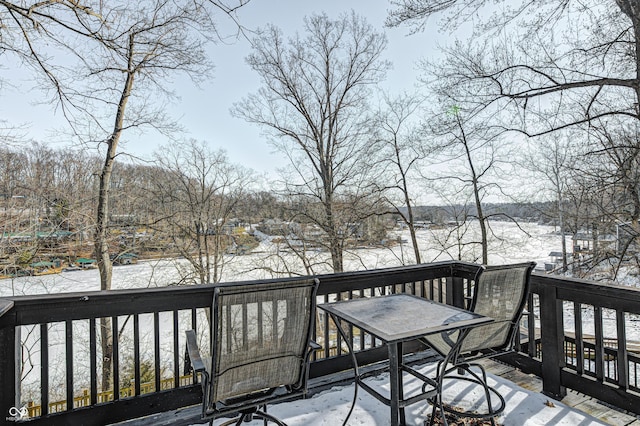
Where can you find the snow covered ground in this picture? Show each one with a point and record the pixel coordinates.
(329, 408)
(513, 246)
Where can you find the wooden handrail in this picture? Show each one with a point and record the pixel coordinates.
(172, 306)
(180, 307)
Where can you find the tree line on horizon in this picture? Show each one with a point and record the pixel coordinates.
(47, 190)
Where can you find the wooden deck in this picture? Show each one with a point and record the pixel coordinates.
(611, 415)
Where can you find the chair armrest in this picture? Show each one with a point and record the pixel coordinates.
(194, 352)
(313, 346)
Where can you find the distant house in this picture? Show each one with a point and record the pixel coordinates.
(83, 262)
(126, 259)
(44, 267)
(582, 242)
(626, 237)
(556, 258)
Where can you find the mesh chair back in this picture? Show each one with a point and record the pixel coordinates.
(261, 334)
(500, 293)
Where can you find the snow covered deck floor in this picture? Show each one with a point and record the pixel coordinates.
(526, 406)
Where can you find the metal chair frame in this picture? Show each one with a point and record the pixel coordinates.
(253, 403)
(462, 363)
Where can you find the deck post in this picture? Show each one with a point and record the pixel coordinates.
(552, 336)
(455, 292)
(9, 354)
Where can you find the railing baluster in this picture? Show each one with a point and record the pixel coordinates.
(115, 358)
(245, 326)
(156, 349)
(531, 328)
(194, 326)
(362, 334)
(93, 362)
(68, 325)
(326, 331)
(622, 358)
(599, 349)
(274, 325)
(229, 331)
(261, 326)
(44, 369)
(432, 289)
(635, 364)
(577, 318)
(136, 354)
(176, 351)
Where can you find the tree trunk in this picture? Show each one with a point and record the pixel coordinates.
(106, 342)
(564, 238)
(476, 195)
(102, 220)
(409, 219)
(335, 246)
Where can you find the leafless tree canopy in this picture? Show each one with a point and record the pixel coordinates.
(199, 191)
(569, 62)
(400, 150)
(313, 105)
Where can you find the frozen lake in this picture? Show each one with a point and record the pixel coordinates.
(270, 260)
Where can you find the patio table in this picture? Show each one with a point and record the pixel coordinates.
(395, 319)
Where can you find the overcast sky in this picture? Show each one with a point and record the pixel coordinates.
(205, 111)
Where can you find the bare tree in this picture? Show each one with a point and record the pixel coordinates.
(455, 240)
(313, 105)
(553, 161)
(569, 62)
(400, 154)
(611, 167)
(200, 191)
(120, 55)
(471, 157)
(31, 31)
(541, 67)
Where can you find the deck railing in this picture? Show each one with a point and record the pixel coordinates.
(589, 336)
(40, 332)
(59, 338)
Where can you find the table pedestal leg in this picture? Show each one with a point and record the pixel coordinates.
(395, 379)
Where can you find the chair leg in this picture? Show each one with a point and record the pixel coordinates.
(488, 391)
(247, 417)
(480, 379)
(236, 421)
(268, 418)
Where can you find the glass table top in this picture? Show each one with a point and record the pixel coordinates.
(399, 317)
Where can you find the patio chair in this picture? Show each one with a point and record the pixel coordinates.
(501, 293)
(261, 344)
